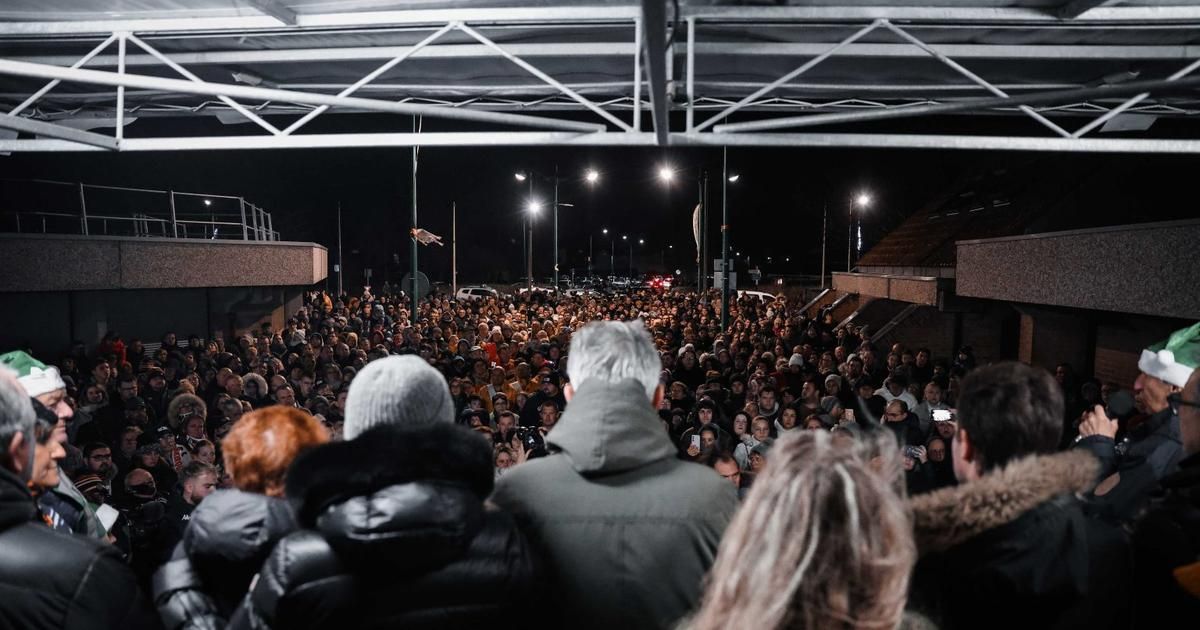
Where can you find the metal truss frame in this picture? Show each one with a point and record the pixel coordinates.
(651, 56)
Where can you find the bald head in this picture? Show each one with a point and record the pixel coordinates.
(137, 477)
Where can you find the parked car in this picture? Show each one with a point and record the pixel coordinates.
(581, 292)
(536, 289)
(476, 293)
(761, 295)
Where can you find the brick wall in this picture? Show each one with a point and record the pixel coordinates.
(1119, 343)
(925, 328)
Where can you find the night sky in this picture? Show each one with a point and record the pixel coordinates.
(775, 208)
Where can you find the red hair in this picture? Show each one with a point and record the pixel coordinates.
(263, 443)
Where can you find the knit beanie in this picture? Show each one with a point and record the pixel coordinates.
(400, 390)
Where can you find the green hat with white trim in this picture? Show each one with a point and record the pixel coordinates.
(1173, 361)
(36, 377)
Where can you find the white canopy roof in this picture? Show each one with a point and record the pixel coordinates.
(541, 72)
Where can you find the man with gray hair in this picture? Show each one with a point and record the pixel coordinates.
(625, 530)
(51, 579)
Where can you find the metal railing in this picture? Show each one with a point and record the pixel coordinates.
(124, 211)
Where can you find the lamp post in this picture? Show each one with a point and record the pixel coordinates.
(862, 199)
(612, 259)
(725, 289)
(591, 176)
(625, 237)
(522, 176)
(532, 209)
(666, 174)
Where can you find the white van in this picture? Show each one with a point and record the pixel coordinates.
(475, 293)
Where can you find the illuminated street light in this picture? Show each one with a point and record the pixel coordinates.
(207, 202)
(641, 241)
(733, 178)
(862, 199)
(604, 231)
(592, 176)
(666, 174)
(534, 207)
(520, 176)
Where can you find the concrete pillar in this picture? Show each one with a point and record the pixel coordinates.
(1048, 338)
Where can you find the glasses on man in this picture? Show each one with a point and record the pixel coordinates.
(1176, 401)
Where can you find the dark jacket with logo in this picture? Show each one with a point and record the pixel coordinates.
(1014, 549)
(54, 580)
(227, 539)
(395, 535)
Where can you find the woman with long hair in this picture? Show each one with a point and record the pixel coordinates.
(823, 541)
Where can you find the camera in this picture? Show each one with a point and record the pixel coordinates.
(912, 452)
(531, 439)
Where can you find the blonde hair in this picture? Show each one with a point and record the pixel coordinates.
(823, 541)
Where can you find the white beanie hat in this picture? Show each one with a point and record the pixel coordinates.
(398, 390)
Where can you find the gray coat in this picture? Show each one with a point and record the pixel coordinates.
(625, 530)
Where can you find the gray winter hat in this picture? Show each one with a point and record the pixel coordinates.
(396, 390)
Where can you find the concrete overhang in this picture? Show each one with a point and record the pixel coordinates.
(912, 289)
(1148, 268)
(53, 262)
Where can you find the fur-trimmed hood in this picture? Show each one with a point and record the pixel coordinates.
(950, 516)
(259, 381)
(179, 401)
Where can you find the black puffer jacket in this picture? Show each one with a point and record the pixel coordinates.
(50, 579)
(229, 536)
(396, 536)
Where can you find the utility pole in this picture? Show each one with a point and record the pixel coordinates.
(529, 268)
(555, 227)
(850, 236)
(704, 253)
(824, 237)
(725, 239)
(453, 248)
(413, 314)
(339, 262)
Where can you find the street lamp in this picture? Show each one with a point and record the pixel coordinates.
(725, 262)
(863, 200)
(666, 174)
(532, 208)
(612, 255)
(591, 176)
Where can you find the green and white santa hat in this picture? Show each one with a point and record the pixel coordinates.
(36, 377)
(1173, 361)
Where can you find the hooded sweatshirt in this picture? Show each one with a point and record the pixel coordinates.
(626, 531)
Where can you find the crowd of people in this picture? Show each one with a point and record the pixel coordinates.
(590, 461)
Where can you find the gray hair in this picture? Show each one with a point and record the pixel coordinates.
(16, 410)
(611, 352)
